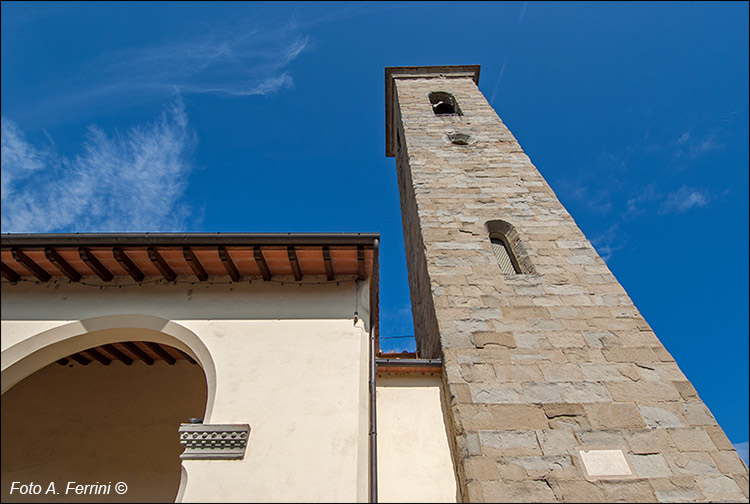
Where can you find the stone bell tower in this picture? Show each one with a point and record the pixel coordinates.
(558, 388)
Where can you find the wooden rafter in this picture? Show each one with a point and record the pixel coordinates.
(80, 359)
(61, 264)
(294, 262)
(96, 354)
(8, 273)
(159, 350)
(88, 257)
(136, 350)
(361, 262)
(195, 264)
(328, 263)
(261, 261)
(117, 354)
(184, 354)
(229, 264)
(27, 261)
(128, 264)
(161, 264)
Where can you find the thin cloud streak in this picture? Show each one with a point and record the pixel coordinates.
(499, 77)
(122, 182)
(232, 65)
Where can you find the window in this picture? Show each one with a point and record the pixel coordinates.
(503, 256)
(506, 245)
(444, 103)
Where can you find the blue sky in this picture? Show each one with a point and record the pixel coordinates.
(260, 117)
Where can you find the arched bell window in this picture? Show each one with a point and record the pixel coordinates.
(444, 103)
(505, 243)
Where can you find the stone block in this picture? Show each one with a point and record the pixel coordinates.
(686, 390)
(634, 490)
(720, 488)
(601, 372)
(561, 372)
(657, 416)
(517, 491)
(485, 468)
(646, 441)
(614, 416)
(601, 438)
(629, 354)
(497, 393)
(728, 462)
(537, 393)
(650, 466)
(692, 439)
(577, 491)
(503, 339)
(503, 417)
(545, 467)
(720, 440)
(642, 391)
(691, 463)
(585, 392)
(509, 443)
(557, 442)
(520, 372)
(478, 373)
(696, 413)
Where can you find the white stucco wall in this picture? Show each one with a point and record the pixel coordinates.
(286, 359)
(414, 459)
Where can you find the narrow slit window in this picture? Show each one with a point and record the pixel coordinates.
(503, 256)
(444, 103)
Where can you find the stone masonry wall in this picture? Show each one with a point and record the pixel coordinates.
(537, 365)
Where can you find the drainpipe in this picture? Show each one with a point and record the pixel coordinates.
(373, 372)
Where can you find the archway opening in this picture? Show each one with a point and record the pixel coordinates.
(101, 416)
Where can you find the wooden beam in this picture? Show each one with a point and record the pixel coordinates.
(27, 261)
(261, 261)
(88, 257)
(159, 350)
(195, 264)
(329, 264)
(61, 264)
(294, 262)
(361, 262)
(117, 354)
(229, 264)
(80, 359)
(184, 354)
(127, 263)
(8, 273)
(96, 354)
(62, 362)
(136, 350)
(161, 264)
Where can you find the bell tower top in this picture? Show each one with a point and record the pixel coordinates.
(418, 72)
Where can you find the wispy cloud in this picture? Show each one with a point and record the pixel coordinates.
(650, 201)
(523, 12)
(133, 181)
(499, 78)
(609, 241)
(228, 63)
(742, 450)
(683, 200)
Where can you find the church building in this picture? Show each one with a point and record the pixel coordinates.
(245, 367)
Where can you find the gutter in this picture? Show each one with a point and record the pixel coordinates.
(182, 239)
(373, 372)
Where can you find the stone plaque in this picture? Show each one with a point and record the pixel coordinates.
(605, 464)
